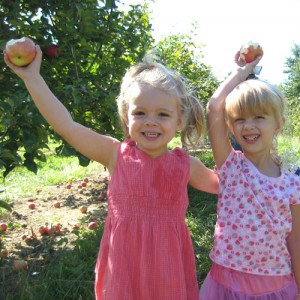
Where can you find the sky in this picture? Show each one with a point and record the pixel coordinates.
(224, 25)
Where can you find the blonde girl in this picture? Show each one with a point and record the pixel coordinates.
(256, 252)
(146, 250)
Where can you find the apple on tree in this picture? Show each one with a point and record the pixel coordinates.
(52, 51)
(250, 51)
(21, 52)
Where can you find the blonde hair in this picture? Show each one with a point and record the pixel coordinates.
(159, 76)
(256, 97)
(253, 97)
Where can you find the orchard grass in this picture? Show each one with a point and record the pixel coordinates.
(69, 273)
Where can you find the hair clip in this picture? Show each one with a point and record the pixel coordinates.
(256, 71)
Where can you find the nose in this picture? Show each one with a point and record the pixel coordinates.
(151, 121)
(249, 124)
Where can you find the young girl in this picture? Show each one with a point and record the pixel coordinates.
(146, 250)
(256, 252)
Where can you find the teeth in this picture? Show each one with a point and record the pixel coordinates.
(252, 138)
(151, 134)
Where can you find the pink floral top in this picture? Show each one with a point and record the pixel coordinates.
(254, 218)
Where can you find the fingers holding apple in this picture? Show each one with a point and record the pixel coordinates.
(33, 66)
(20, 52)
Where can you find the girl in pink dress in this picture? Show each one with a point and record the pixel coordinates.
(256, 252)
(146, 250)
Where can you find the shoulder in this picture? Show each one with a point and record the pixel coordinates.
(179, 152)
(233, 161)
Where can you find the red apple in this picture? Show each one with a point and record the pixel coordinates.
(250, 51)
(43, 230)
(21, 52)
(56, 204)
(3, 227)
(56, 228)
(92, 225)
(101, 197)
(31, 206)
(69, 185)
(52, 51)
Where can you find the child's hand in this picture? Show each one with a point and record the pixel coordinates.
(244, 67)
(29, 71)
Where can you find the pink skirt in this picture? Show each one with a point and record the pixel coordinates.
(226, 284)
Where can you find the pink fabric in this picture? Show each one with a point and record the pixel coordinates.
(254, 218)
(146, 250)
(227, 284)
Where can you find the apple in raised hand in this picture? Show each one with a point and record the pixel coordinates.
(250, 51)
(21, 52)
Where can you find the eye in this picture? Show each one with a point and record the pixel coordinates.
(138, 113)
(260, 117)
(163, 114)
(238, 120)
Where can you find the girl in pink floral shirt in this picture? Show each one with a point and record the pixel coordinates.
(256, 252)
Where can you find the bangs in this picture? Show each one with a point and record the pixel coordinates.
(252, 98)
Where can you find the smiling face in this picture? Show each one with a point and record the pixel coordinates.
(254, 132)
(153, 118)
(255, 112)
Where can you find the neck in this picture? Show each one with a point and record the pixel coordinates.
(265, 163)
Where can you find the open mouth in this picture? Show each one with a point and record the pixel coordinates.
(251, 138)
(151, 134)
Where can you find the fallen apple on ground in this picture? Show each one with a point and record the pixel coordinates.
(31, 206)
(92, 225)
(3, 227)
(69, 186)
(250, 51)
(44, 230)
(56, 204)
(21, 52)
(83, 209)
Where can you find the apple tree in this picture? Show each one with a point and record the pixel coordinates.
(87, 46)
(292, 88)
(183, 54)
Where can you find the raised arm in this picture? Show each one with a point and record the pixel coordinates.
(91, 144)
(217, 127)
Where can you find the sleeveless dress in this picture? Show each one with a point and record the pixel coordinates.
(146, 252)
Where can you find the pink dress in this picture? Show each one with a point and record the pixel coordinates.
(146, 251)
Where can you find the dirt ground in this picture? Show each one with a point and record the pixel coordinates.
(26, 240)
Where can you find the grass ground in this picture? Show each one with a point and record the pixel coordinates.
(66, 272)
